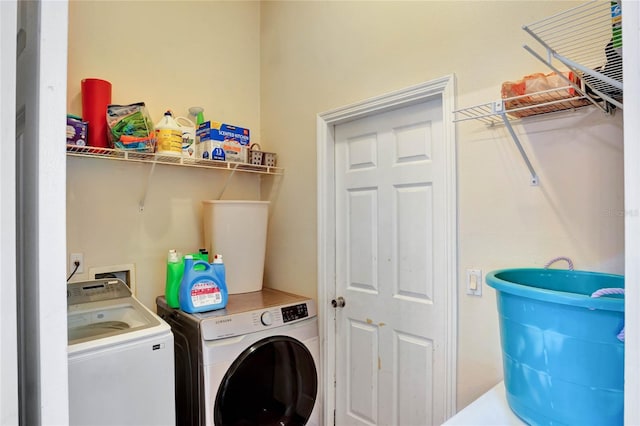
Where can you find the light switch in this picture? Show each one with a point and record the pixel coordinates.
(474, 282)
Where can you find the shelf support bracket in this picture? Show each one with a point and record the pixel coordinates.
(226, 182)
(143, 199)
(499, 109)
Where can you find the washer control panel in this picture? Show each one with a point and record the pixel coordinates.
(295, 312)
(93, 291)
(220, 326)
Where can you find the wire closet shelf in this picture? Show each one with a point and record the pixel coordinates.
(145, 157)
(586, 40)
(583, 40)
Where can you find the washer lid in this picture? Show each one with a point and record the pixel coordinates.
(104, 310)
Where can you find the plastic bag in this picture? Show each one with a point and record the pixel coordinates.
(131, 128)
(541, 88)
(530, 84)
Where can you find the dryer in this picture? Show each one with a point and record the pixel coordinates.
(256, 362)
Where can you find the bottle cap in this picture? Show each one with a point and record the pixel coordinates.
(173, 256)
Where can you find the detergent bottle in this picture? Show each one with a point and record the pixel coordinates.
(188, 129)
(175, 268)
(201, 289)
(218, 267)
(168, 136)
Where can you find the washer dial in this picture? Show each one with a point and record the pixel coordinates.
(266, 318)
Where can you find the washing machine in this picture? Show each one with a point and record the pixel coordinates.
(120, 358)
(256, 362)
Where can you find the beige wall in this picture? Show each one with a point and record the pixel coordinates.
(317, 56)
(288, 61)
(171, 55)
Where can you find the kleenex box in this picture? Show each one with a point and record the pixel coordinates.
(235, 140)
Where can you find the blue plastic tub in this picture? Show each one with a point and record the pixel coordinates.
(563, 362)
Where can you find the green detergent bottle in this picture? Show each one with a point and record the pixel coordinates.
(175, 267)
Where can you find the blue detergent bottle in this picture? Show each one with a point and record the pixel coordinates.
(202, 289)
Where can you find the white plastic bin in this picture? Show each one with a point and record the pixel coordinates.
(238, 231)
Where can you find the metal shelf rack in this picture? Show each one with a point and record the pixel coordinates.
(145, 157)
(586, 39)
(582, 40)
(154, 159)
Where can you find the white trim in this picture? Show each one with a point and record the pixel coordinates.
(445, 88)
(51, 205)
(8, 327)
(631, 67)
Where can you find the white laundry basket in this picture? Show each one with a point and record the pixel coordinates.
(238, 231)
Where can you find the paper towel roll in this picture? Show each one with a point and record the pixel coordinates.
(96, 95)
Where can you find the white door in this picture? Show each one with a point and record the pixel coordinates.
(41, 87)
(392, 268)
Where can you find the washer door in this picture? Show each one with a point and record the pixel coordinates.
(273, 382)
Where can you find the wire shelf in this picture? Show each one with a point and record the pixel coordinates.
(587, 39)
(542, 102)
(146, 157)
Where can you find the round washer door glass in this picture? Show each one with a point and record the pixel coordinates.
(272, 382)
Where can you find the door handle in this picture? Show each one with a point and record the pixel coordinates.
(338, 303)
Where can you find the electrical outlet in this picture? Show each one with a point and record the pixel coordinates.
(474, 282)
(79, 257)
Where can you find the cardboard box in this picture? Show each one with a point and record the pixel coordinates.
(210, 150)
(76, 131)
(235, 140)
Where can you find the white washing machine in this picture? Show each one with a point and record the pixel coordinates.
(256, 362)
(120, 358)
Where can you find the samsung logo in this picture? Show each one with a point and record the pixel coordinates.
(221, 321)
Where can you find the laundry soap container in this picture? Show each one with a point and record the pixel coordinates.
(238, 231)
(202, 288)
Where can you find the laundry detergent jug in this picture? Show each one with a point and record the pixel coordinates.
(202, 288)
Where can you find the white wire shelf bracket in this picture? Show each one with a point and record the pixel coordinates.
(146, 157)
(587, 40)
(496, 112)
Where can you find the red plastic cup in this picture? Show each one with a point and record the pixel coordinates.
(96, 95)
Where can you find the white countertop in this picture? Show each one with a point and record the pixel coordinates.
(491, 409)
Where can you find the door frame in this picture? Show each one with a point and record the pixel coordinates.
(443, 88)
(8, 328)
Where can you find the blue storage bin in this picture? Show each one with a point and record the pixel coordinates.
(563, 362)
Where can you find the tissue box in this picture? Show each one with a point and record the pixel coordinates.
(76, 131)
(234, 140)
